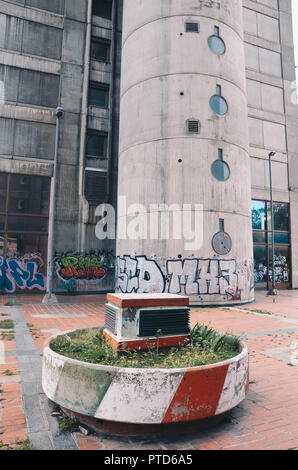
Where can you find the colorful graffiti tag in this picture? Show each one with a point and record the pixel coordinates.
(72, 268)
(22, 272)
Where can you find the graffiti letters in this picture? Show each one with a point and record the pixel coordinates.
(74, 267)
(191, 277)
(22, 273)
(138, 275)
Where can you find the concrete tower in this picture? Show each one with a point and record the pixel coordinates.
(184, 152)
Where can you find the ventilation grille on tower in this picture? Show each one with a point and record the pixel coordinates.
(168, 321)
(193, 126)
(110, 319)
(192, 27)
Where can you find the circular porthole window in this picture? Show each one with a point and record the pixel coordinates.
(220, 170)
(215, 42)
(219, 105)
(217, 45)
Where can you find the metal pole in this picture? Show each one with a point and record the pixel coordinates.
(49, 297)
(272, 291)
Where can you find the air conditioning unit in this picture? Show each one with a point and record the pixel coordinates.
(143, 321)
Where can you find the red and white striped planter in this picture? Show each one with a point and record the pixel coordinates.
(145, 396)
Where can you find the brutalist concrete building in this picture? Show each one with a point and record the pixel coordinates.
(204, 91)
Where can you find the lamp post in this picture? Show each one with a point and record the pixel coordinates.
(272, 291)
(50, 298)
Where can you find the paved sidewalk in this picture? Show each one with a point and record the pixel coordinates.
(267, 419)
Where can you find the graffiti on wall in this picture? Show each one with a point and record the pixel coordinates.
(74, 267)
(281, 270)
(192, 276)
(214, 4)
(21, 273)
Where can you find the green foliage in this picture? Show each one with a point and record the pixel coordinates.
(8, 372)
(207, 347)
(68, 425)
(262, 312)
(23, 445)
(6, 325)
(7, 336)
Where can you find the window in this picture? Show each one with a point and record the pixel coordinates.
(97, 144)
(216, 44)
(262, 239)
(218, 103)
(100, 50)
(99, 95)
(220, 169)
(24, 211)
(103, 8)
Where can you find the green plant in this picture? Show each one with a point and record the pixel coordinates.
(7, 336)
(158, 334)
(8, 372)
(8, 304)
(207, 347)
(6, 324)
(68, 425)
(262, 312)
(23, 445)
(207, 338)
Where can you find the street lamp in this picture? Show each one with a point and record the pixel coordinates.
(50, 298)
(272, 291)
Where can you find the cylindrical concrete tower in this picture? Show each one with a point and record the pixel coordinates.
(184, 209)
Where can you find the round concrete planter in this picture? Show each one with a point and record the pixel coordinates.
(145, 396)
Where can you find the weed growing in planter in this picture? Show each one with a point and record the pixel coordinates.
(68, 425)
(207, 347)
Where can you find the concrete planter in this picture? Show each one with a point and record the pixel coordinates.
(145, 396)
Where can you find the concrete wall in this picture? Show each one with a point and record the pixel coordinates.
(168, 77)
(272, 104)
(44, 61)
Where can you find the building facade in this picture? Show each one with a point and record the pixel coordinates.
(207, 92)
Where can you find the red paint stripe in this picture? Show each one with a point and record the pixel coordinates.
(198, 395)
(142, 344)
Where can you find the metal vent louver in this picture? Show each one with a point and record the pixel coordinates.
(192, 27)
(193, 127)
(169, 321)
(110, 319)
(95, 187)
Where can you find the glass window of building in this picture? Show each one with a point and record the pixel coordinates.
(97, 144)
(103, 8)
(218, 103)
(99, 95)
(216, 43)
(100, 50)
(262, 239)
(220, 169)
(24, 213)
